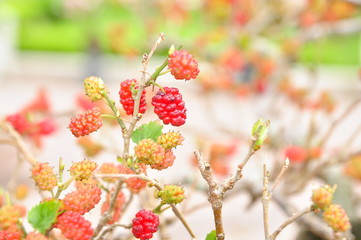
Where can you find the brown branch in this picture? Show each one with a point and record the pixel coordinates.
(337, 121)
(18, 142)
(289, 221)
(229, 182)
(266, 197)
(280, 175)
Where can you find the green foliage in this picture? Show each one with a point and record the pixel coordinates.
(150, 130)
(259, 133)
(211, 235)
(43, 215)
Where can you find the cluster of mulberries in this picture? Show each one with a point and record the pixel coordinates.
(44, 176)
(84, 198)
(334, 215)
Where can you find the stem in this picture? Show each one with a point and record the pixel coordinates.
(229, 183)
(112, 106)
(336, 122)
(18, 142)
(289, 221)
(266, 197)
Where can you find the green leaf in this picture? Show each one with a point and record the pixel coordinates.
(42, 216)
(211, 235)
(150, 130)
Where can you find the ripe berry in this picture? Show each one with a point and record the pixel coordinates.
(149, 152)
(169, 106)
(44, 176)
(182, 65)
(7, 235)
(118, 207)
(83, 170)
(94, 88)
(74, 226)
(84, 198)
(170, 140)
(86, 123)
(322, 197)
(127, 88)
(35, 236)
(336, 217)
(145, 224)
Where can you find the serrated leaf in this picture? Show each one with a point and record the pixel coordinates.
(150, 130)
(211, 235)
(42, 216)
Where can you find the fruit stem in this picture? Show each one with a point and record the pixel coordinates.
(111, 104)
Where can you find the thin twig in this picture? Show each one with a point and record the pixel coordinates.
(19, 142)
(266, 197)
(337, 121)
(229, 182)
(289, 221)
(280, 175)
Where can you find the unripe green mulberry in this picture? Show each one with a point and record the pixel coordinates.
(171, 194)
(170, 140)
(83, 170)
(335, 216)
(44, 176)
(94, 88)
(322, 197)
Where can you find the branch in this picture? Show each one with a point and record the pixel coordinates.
(229, 182)
(280, 175)
(18, 142)
(266, 197)
(289, 221)
(337, 121)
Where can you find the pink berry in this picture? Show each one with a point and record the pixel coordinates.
(182, 65)
(86, 123)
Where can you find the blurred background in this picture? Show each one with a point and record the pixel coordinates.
(295, 62)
